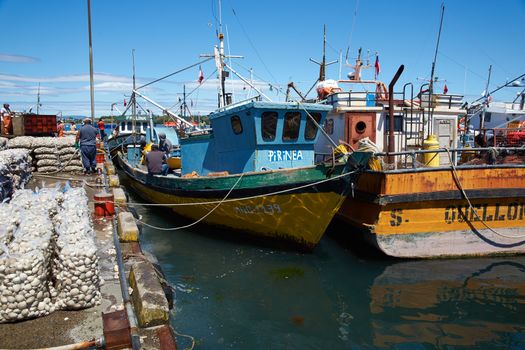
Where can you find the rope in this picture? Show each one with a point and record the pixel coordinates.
(185, 336)
(458, 182)
(68, 179)
(196, 222)
(224, 200)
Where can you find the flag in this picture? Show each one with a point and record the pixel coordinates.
(445, 89)
(125, 103)
(201, 76)
(377, 66)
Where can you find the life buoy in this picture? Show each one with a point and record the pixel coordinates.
(381, 91)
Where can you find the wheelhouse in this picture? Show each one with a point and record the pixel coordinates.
(255, 136)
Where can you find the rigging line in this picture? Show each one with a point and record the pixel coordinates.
(172, 74)
(276, 86)
(500, 87)
(495, 63)
(462, 65)
(177, 104)
(140, 106)
(252, 45)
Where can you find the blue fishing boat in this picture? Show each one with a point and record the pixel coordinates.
(255, 173)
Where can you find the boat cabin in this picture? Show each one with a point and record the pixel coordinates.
(255, 136)
(126, 127)
(361, 111)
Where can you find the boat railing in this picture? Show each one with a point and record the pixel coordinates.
(502, 137)
(461, 157)
(238, 103)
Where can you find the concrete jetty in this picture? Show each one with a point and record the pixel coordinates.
(133, 311)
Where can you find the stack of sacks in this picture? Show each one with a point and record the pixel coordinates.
(53, 154)
(76, 262)
(15, 171)
(25, 142)
(47, 254)
(3, 143)
(25, 257)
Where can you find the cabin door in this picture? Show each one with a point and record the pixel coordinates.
(358, 126)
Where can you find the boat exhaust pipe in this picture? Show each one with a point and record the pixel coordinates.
(391, 139)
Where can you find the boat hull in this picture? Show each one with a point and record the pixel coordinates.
(423, 214)
(267, 204)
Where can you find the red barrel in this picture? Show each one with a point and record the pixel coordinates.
(104, 204)
(100, 157)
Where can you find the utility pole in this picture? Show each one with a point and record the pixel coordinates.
(38, 101)
(91, 85)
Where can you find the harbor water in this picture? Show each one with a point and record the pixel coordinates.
(233, 293)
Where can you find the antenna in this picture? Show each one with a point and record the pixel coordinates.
(486, 94)
(323, 64)
(431, 83)
(134, 102)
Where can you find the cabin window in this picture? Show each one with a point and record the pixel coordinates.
(236, 124)
(144, 126)
(329, 126)
(292, 121)
(130, 126)
(398, 123)
(268, 125)
(310, 132)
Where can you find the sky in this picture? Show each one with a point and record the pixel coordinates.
(44, 47)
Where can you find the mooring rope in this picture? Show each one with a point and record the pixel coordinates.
(199, 220)
(473, 210)
(132, 204)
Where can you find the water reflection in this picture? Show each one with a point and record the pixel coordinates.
(458, 303)
(234, 293)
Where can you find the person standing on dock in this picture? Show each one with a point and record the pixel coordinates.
(60, 129)
(102, 129)
(6, 119)
(87, 141)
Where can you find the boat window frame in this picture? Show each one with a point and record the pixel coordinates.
(129, 126)
(233, 119)
(264, 116)
(295, 130)
(328, 126)
(311, 126)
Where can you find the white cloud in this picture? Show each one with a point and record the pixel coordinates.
(73, 78)
(17, 58)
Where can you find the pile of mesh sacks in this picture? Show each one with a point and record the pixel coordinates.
(15, 171)
(50, 154)
(3, 143)
(48, 255)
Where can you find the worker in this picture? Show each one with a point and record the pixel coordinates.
(60, 129)
(6, 115)
(156, 161)
(102, 129)
(86, 140)
(165, 145)
(73, 127)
